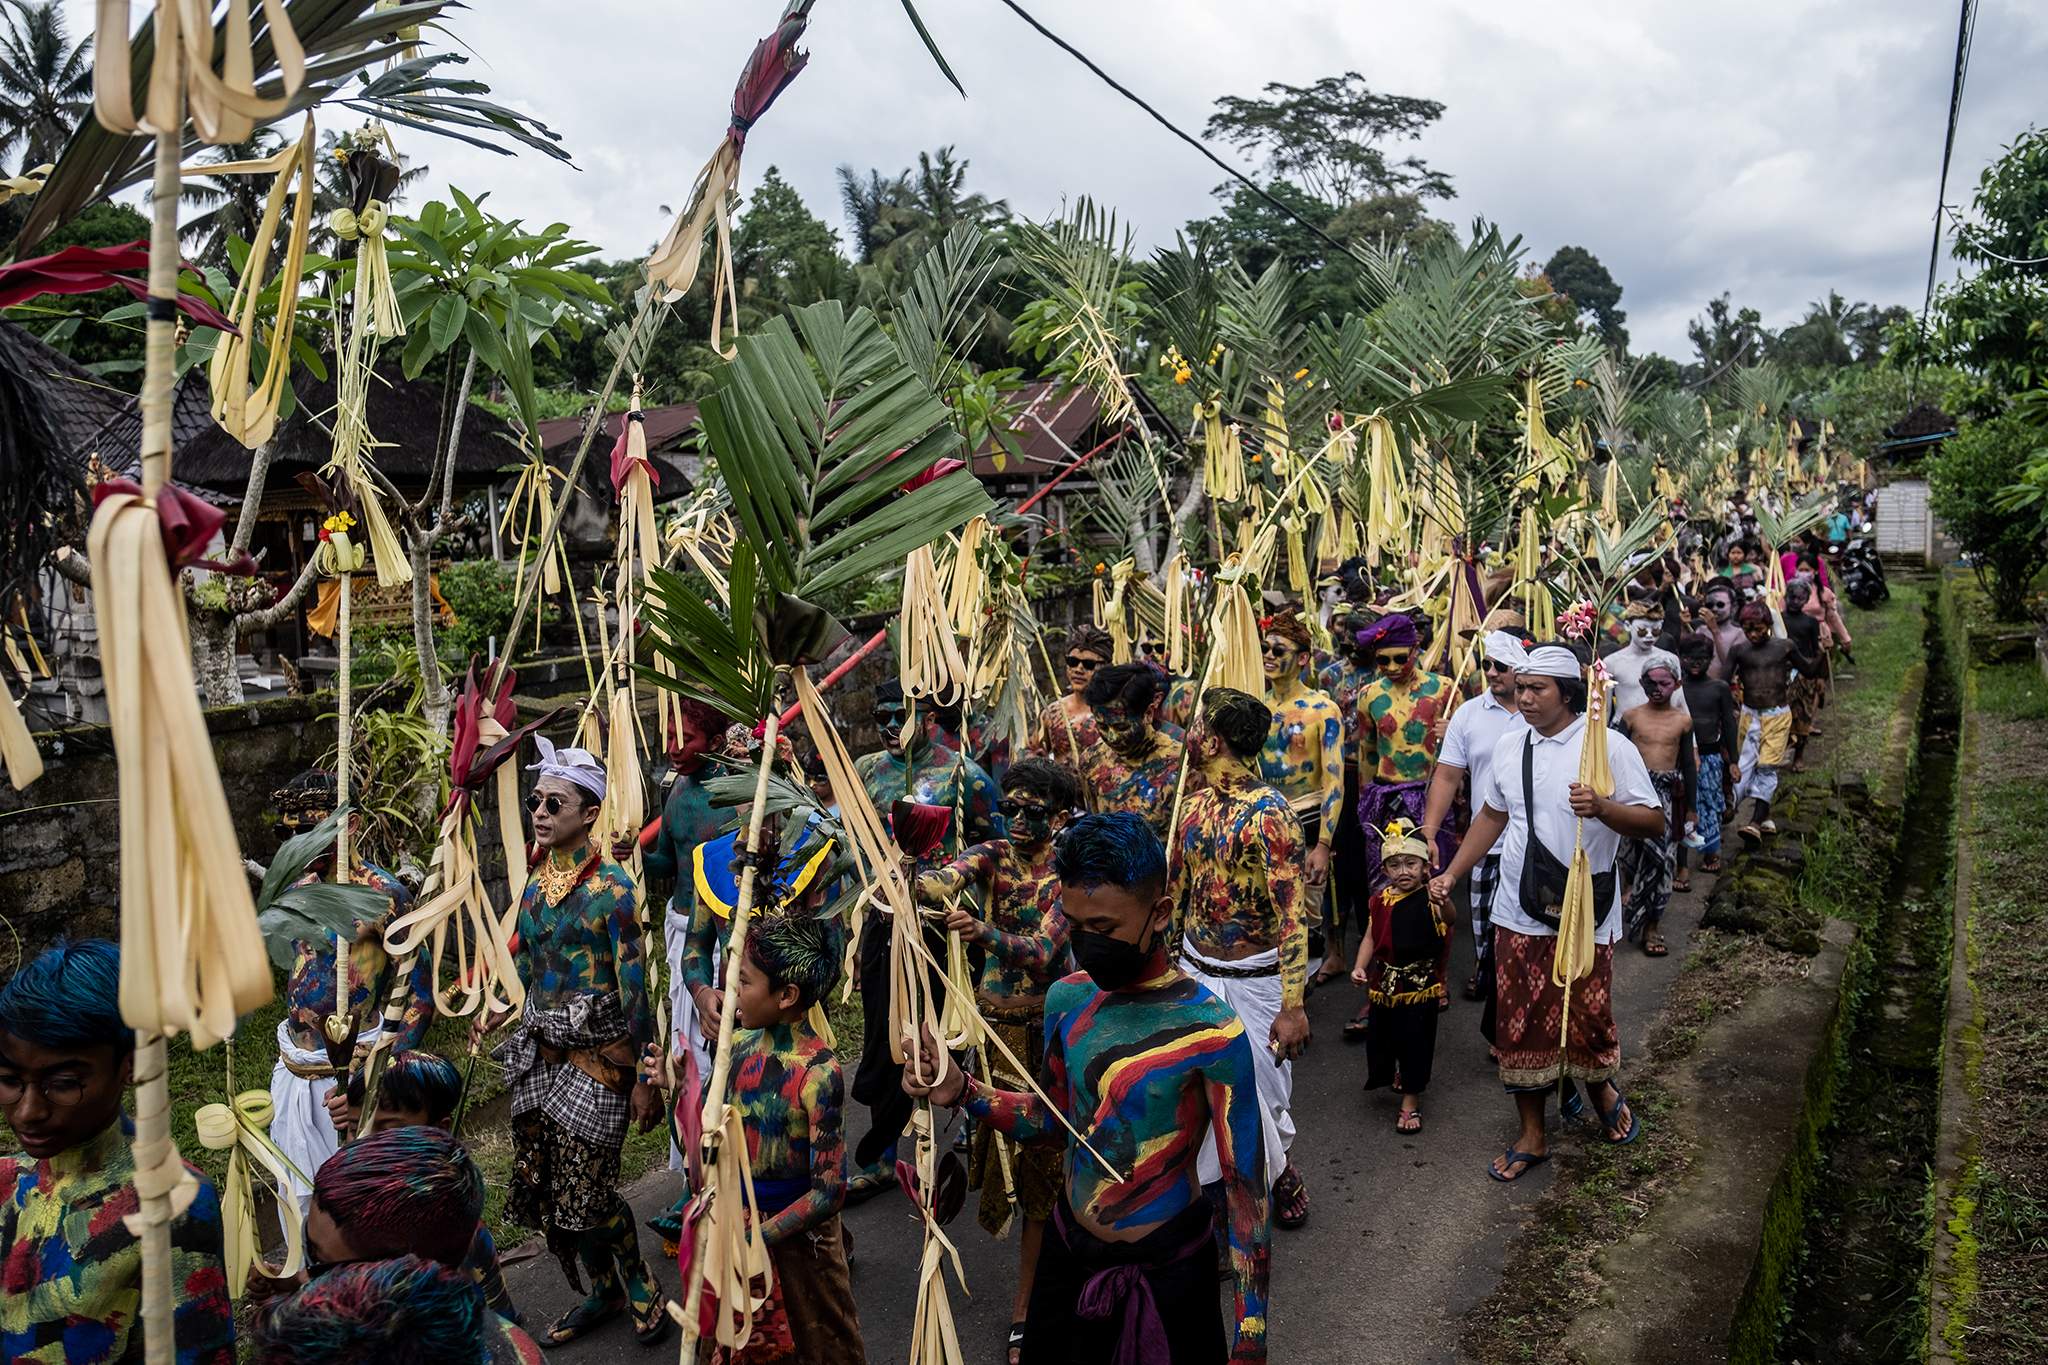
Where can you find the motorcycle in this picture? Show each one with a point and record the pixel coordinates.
(1862, 572)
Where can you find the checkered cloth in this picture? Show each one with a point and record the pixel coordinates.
(1485, 876)
(572, 1098)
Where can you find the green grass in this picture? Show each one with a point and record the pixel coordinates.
(2012, 692)
(1889, 641)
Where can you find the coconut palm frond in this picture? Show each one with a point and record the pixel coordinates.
(1077, 264)
(412, 95)
(938, 318)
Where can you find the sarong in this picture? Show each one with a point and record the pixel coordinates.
(300, 1127)
(1160, 1289)
(1400, 1040)
(1808, 696)
(1380, 802)
(1646, 865)
(1257, 1002)
(1766, 742)
(1709, 801)
(1037, 1171)
(1350, 862)
(1530, 1012)
(561, 1183)
(1483, 879)
(810, 1317)
(682, 1009)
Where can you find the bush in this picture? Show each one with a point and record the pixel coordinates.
(2008, 545)
(480, 593)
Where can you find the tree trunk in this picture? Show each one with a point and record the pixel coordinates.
(213, 656)
(1189, 506)
(435, 697)
(455, 439)
(252, 498)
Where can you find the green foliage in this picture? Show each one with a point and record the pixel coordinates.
(1862, 400)
(785, 255)
(1578, 274)
(1327, 138)
(2008, 545)
(1990, 323)
(479, 592)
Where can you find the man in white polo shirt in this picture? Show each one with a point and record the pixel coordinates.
(1534, 799)
(1475, 728)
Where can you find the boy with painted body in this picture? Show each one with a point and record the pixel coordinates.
(1137, 765)
(1303, 760)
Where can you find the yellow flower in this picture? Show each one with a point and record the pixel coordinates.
(1183, 375)
(1100, 566)
(1301, 373)
(339, 522)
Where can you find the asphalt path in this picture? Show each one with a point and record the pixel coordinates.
(1406, 1233)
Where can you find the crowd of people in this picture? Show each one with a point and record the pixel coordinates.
(1147, 896)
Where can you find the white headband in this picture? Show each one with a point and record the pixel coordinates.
(1503, 647)
(577, 766)
(1663, 658)
(1551, 661)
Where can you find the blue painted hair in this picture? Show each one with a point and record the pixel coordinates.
(1118, 849)
(403, 1190)
(406, 1311)
(425, 1081)
(69, 996)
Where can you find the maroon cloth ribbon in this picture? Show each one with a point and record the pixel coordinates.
(89, 269)
(189, 522)
(1141, 1339)
(622, 463)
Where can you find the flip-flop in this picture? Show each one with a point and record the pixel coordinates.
(1360, 1025)
(584, 1318)
(869, 1183)
(1416, 1114)
(1608, 1117)
(650, 1331)
(1571, 1107)
(1014, 1342)
(1530, 1161)
(1654, 945)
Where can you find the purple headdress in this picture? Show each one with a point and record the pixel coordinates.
(1393, 631)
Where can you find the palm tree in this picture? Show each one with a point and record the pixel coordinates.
(45, 83)
(877, 210)
(225, 207)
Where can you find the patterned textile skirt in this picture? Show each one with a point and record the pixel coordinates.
(810, 1317)
(1400, 1039)
(561, 1183)
(1710, 801)
(1530, 1013)
(1036, 1172)
(1809, 695)
(1646, 865)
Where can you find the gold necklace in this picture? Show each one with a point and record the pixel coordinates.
(556, 878)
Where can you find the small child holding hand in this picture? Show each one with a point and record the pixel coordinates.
(1403, 941)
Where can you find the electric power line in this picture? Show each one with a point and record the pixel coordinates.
(1172, 127)
(1966, 27)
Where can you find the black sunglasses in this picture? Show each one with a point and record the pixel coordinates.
(1010, 810)
(1076, 661)
(1394, 656)
(550, 800)
(1278, 651)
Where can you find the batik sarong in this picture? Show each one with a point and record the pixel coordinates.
(1646, 865)
(810, 1317)
(1709, 801)
(1530, 1015)
(1036, 1171)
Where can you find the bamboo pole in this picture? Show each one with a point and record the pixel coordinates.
(728, 1012)
(156, 1159)
(344, 742)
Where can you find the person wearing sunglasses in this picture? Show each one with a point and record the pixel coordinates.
(573, 1062)
(1304, 761)
(1136, 766)
(1400, 723)
(1066, 729)
(924, 771)
(304, 1077)
(1342, 678)
(1235, 867)
(1023, 939)
(74, 1270)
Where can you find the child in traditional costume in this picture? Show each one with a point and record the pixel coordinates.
(1023, 938)
(791, 1095)
(1397, 966)
(71, 1281)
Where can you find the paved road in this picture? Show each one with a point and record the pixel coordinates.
(1392, 1212)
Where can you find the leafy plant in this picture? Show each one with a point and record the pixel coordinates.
(2008, 545)
(288, 912)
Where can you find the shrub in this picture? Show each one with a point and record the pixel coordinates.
(2008, 545)
(479, 591)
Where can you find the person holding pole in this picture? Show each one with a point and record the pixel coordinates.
(572, 1062)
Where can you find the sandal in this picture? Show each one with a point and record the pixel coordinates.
(1680, 886)
(1408, 1121)
(1711, 863)
(1015, 1341)
(1471, 991)
(1528, 1161)
(1610, 1118)
(650, 1330)
(1290, 1199)
(868, 1183)
(584, 1318)
(1571, 1108)
(1653, 944)
(1355, 1031)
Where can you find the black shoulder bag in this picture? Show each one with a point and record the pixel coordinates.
(1543, 876)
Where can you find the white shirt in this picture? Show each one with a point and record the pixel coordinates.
(1469, 740)
(1554, 769)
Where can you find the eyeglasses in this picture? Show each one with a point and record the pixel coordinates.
(889, 716)
(1083, 662)
(1278, 651)
(1010, 810)
(1496, 666)
(549, 801)
(60, 1091)
(1394, 656)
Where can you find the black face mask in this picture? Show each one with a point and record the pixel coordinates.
(1111, 962)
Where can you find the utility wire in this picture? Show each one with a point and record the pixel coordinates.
(1966, 28)
(1174, 128)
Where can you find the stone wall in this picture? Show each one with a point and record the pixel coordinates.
(60, 841)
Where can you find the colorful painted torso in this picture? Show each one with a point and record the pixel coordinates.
(1064, 738)
(1145, 1075)
(71, 1283)
(1022, 929)
(1342, 679)
(1304, 755)
(1143, 782)
(588, 943)
(309, 989)
(1396, 724)
(1236, 872)
(791, 1096)
(936, 777)
(687, 820)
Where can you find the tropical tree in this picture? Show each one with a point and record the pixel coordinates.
(784, 254)
(1578, 274)
(45, 82)
(1826, 337)
(1326, 138)
(2006, 539)
(228, 206)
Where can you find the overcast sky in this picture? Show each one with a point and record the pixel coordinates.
(1770, 148)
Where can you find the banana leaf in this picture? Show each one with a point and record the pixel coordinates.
(287, 912)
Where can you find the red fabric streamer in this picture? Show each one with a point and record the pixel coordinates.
(89, 269)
